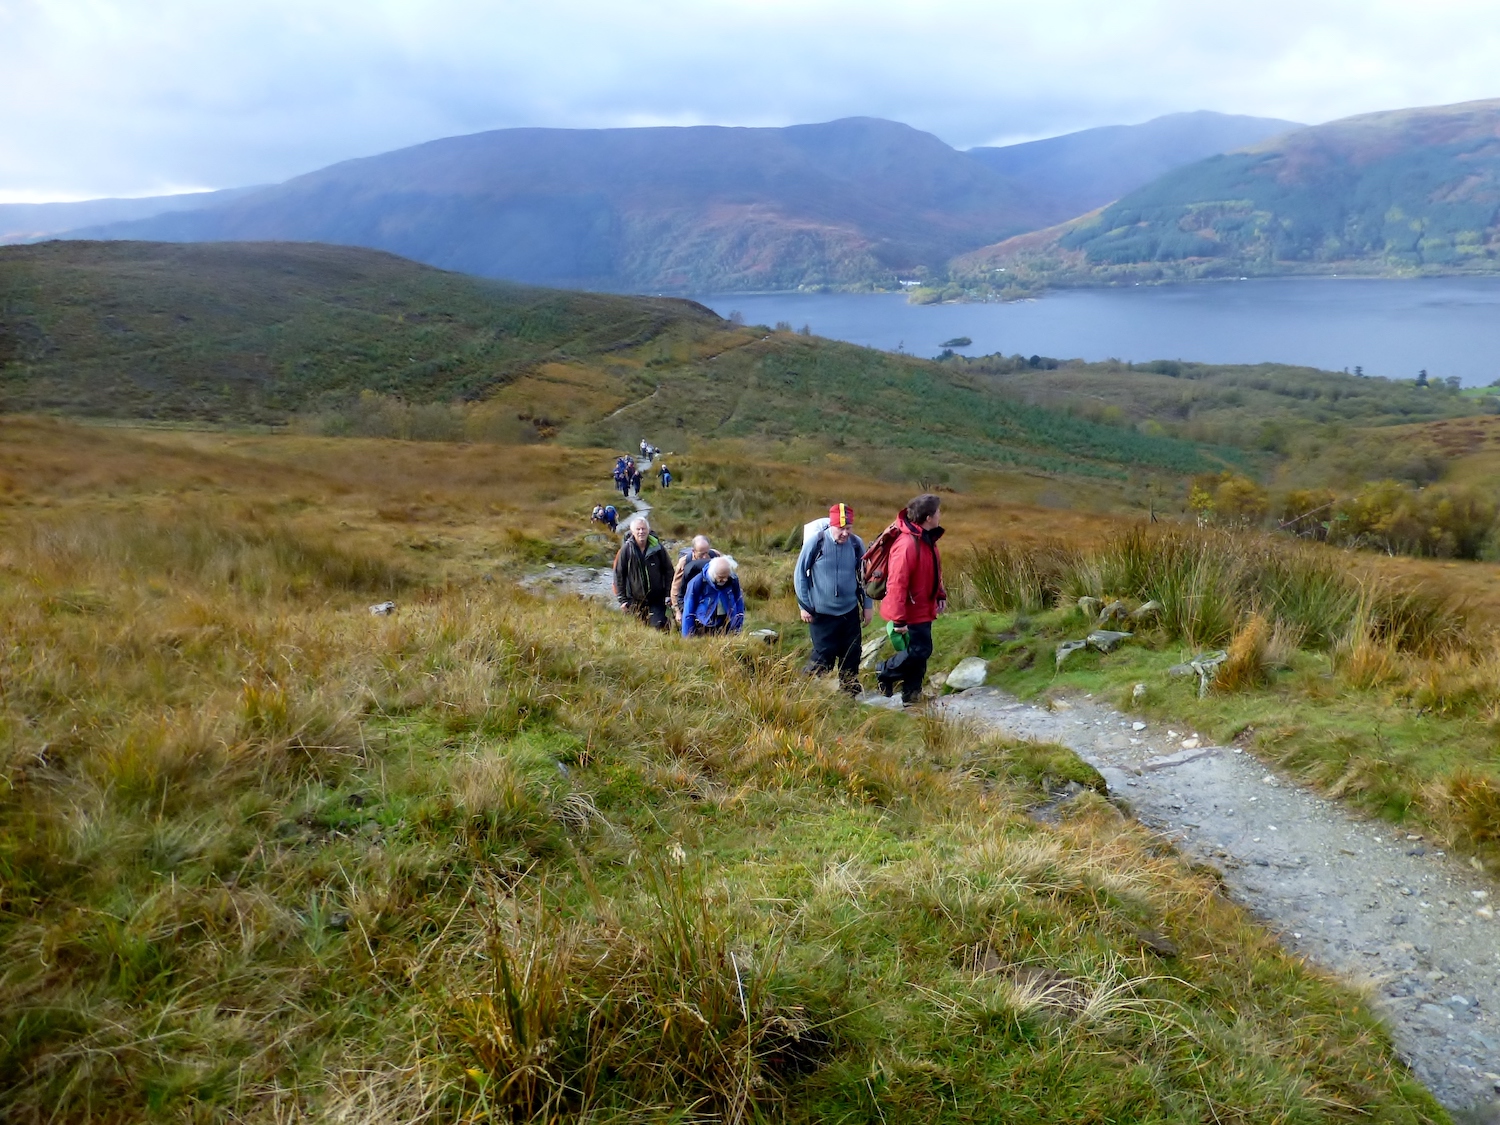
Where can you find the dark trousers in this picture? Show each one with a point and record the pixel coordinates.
(835, 641)
(914, 670)
(651, 613)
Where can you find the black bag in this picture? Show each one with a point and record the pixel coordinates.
(890, 672)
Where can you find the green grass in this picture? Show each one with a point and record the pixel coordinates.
(1396, 719)
(265, 857)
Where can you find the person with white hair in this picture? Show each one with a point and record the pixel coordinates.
(690, 564)
(643, 575)
(713, 602)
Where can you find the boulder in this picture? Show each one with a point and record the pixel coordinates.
(1114, 611)
(969, 673)
(1150, 609)
(869, 652)
(382, 609)
(1068, 648)
(1106, 640)
(1089, 606)
(769, 636)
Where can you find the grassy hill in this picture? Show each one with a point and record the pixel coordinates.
(1384, 194)
(343, 340)
(1252, 406)
(265, 857)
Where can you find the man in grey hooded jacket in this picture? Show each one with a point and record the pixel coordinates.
(832, 598)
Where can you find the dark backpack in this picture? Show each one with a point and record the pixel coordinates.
(875, 567)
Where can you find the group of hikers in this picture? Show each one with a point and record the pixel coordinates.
(628, 474)
(837, 582)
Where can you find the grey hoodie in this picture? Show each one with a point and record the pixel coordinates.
(834, 585)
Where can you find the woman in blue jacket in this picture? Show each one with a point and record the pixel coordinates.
(713, 602)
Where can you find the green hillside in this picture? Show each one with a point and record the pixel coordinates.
(1391, 194)
(1250, 406)
(353, 341)
(254, 332)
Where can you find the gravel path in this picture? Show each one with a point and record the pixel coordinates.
(1378, 906)
(585, 581)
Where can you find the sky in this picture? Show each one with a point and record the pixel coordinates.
(142, 97)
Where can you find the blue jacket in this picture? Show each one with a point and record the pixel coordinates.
(706, 604)
(833, 586)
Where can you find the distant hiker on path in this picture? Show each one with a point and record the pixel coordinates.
(832, 597)
(713, 602)
(635, 478)
(643, 575)
(665, 475)
(622, 475)
(914, 593)
(689, 564)
(607, 515)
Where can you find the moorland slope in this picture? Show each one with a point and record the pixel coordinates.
(338, 338)
(1390, 194)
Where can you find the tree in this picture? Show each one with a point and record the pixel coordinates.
(1422, 377)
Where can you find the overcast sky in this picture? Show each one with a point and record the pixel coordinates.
(133, 97)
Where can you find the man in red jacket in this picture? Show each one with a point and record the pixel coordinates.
(914, 593)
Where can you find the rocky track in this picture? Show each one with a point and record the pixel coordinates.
(1379, 906)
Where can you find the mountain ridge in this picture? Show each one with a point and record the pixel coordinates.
(859, 202)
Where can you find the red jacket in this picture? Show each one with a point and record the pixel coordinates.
(914, 576)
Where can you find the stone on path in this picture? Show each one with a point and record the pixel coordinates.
(969, 673)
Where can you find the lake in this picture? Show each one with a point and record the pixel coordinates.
(1450, 326)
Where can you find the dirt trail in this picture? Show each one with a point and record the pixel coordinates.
(1355, 896)
(585, 581)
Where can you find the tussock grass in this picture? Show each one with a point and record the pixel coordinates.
(1210, 582)
(264, 857)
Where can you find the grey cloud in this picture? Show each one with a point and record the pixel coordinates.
(120, 96)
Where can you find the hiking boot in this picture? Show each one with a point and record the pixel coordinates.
(887, 688)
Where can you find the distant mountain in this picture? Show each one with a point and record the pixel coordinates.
(671, 209)
(30, 222)
(1080, 171)
(1397, 193)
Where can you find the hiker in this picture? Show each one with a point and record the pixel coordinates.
(606, 514)
(643, 575)
(713, 602)
(665, 475)
(914, 593)
(832, 597)
(689, 563)
(622, 475)
(635, 479)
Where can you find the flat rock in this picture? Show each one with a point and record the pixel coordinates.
(1068, 648)
(1107, 640)
(969, 673)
